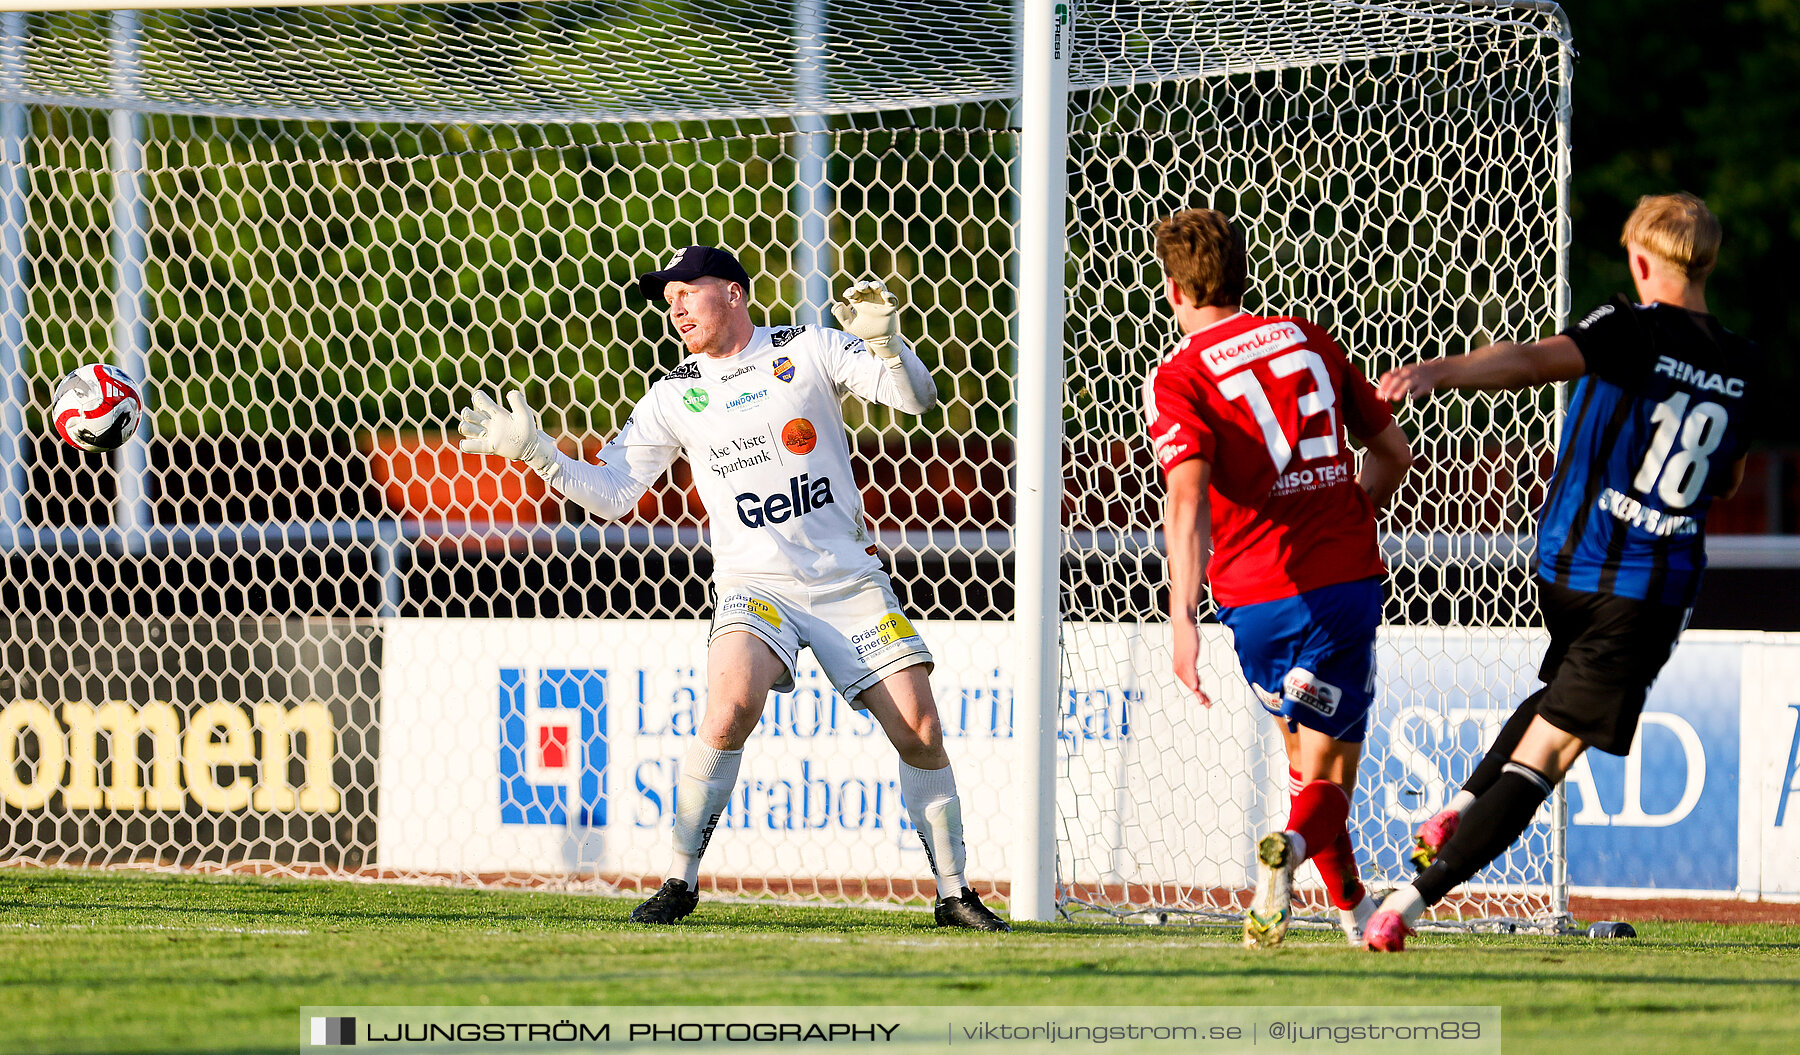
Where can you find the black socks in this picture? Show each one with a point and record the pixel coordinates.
(1499, 816)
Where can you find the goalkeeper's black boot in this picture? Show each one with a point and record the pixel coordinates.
(967, 911)
(667, 905)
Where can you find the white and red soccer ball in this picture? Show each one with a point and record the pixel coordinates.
(96, 408)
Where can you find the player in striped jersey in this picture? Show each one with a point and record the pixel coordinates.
(1664, 405)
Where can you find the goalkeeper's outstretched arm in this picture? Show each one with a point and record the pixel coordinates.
(609, 488)
(897, 378)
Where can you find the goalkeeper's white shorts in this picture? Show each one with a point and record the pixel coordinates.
(855, 630)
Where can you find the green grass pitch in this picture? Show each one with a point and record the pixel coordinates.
(126, 962)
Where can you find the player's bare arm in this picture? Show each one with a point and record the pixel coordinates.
(1505, 365)
(1187, 531)
(1387, 458)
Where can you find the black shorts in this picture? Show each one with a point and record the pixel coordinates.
(1604, 653)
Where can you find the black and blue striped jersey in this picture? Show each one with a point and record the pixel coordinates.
(1668, 405)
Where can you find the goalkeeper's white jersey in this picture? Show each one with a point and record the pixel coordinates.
(764, 434)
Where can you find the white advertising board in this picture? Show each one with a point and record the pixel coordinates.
(553, 746)
(536, 746)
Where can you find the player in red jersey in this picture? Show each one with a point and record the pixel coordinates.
(1248, 418)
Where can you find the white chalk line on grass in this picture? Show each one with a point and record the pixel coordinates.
(149, 927)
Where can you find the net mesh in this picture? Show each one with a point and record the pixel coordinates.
(341, 646)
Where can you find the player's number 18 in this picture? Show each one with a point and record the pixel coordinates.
(1683, 474)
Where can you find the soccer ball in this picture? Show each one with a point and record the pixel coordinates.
(96, 408)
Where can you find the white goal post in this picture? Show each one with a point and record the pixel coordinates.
(291, 630)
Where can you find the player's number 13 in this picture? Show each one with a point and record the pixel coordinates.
(1244, 385)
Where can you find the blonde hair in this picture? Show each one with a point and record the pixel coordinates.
(1677, 229)
(1204, 254)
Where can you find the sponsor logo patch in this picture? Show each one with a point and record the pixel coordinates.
(782, 337)
(1259, 343)
(784, 369)
(1169, 447)
(739, 372)
(892, 627)
(1652, 521)
(747, 461)
(1689, 374)
(1308, 690)
(740, 604)
(1595, 316)
(687, 369)
(799, 437)
(804, 494)
(747, 401)
(744, 452)
(1331, 474)
(696, 399)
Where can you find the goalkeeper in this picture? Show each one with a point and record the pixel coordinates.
(757, 412)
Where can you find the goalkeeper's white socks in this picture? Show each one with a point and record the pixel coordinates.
(936, 811)
(708, 776)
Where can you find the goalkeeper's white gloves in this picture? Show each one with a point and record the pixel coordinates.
(870, 312)
(489, 428)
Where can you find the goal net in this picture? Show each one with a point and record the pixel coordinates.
(1397, 171)
(291, 629)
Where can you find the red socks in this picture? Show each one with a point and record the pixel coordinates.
(1319, 812)
(1337, 866)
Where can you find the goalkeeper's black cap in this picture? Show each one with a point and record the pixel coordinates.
(695, 261)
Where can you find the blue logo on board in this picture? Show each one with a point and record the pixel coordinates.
(552, 746)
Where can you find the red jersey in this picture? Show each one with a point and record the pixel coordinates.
(1266, 401)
